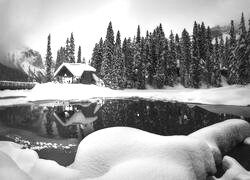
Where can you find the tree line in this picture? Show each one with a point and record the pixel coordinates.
(194, 61)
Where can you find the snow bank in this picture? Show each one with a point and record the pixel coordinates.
(57, 91)
(228, 95)
(128, 153)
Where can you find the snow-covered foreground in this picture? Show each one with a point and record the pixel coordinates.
(126, 153)
(228, 95)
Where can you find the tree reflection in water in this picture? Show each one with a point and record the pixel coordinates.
(78, 119)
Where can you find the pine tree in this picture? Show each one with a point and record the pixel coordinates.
(227, 54)
(248, 51)
(233, 65)
(79, 55)
(178, 55)
(195, 69)
(72, 49)
(161, 55)
(128, 62)
(117, 74)
(241, 55)
(186, 59)
(108, 56)
(138, 37)
(209, 57)
(67, 49)
(172, 61)
(222, 53)
(97, 57)
(48, 62)
(205, 54)
(216, 76)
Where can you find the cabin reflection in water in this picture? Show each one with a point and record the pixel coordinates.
(73, 120)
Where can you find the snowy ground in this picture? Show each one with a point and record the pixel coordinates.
(228, 95)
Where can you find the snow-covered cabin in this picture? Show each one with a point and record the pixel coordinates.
(77, 73)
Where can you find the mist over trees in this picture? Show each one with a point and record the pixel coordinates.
(195, 61)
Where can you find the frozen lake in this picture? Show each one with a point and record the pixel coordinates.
(55, 128)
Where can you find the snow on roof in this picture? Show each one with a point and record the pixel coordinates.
(75, 68)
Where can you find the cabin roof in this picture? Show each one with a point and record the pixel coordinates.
(75, 68)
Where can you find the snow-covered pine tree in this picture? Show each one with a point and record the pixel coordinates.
(108, 56)
(67, 48)
(152, 57)
(227, 54)
(117, 74)
(79, 55)
(222, 53)
(204, 54)
(248, 51)
(178, 55)
(128, 62)
(195, 70)
(137, 66)
(72, 49)
(160, 78)
(186, 59)
(209, 57)
(233, 65)
(216, 75)
(241, 54)
(172, 61)
(48, 61)
(97, 57)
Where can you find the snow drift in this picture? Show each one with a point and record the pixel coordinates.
(229, 95)
(127, 153)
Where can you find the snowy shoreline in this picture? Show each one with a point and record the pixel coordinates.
(228, 95)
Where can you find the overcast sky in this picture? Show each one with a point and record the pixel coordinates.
(28, 22)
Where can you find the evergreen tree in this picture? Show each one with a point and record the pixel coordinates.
(67, 49)
(222, 53)
(233, 65)
(161, 55)
(138, 37)
(58, 60)
(186, 59)
(128, 62)
(172, 61)
(79, 55)
(108, 56)
(48, 62)
(195, 69)
(72, 49)
(117, 74)
(97, 57)
(209, 62)
(216, 76)
(241, 54)
(248, 51)
(178, 55)
(227, 54)
(205, 54)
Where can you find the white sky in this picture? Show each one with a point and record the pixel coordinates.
(28, 22)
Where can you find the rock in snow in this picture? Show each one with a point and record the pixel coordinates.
(128, 153)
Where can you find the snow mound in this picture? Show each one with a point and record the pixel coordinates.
(57, 91)
(128, 153)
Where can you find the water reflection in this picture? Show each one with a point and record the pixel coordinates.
(78, 119)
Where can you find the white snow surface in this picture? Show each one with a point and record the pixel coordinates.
(128, 153)
(227, 95)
